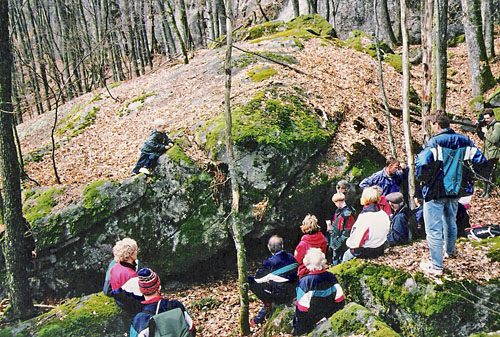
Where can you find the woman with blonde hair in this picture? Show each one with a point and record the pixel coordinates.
(312, 238)
(123, 276)
(369, 232)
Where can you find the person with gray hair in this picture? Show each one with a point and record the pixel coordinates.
(156, 145)
(274, 282)
(402, 219)
(319, 294)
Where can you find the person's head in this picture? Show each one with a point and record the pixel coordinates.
(370, 196)
(314, 259)
(149, 282)
(342, 186)
(160, 125)
(339, 199)
(439, 120)
(379, 189)
(488, 114)
(125, 250)
(310, 225)
(418, 201)
(395, 200)
(275, 244)
(391, 166)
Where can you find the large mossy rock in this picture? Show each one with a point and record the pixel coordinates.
(178, 216)
(416, 306)
(95, 315)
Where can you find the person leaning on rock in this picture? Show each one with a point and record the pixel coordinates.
(490, 134)
(274, 282)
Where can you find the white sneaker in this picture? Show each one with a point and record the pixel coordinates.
(144, 170)
(428, 268)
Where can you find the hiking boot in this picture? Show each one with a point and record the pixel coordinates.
(145, 171)
(428, 268)
(450, 256)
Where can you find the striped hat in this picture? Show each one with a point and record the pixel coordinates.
(149, 282)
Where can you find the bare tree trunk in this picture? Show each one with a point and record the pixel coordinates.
(381, 80)
(221, 15)
(215, 18)
(386, 22)
(439, 54)
(296, 8)
(426, 33)
(487, 14)
(406, 105)
(177, 33)
(210, 13)
(15, 249)
(168, 40)
(479, 69)
(188, 38)
(235, 222)
(131, 38)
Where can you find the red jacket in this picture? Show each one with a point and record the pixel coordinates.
(308, 241)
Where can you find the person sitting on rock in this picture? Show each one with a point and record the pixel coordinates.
(340, 227)
(369, 232)
(389, 178)
(274, 282)
(312, 238)
(154, 304)
(399, 228)
(383, 204)
(319, 294)
(123, 277)
(156, 145)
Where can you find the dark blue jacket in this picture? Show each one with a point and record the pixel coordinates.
(156, 142)
(447, 164)
(279, 275)
(319, 295)
(141, 320)
(398, 233)
(388, 183)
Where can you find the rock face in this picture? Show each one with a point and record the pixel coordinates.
(178, 216)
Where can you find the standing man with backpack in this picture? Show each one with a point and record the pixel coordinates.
(160, 317)
(445, 167)
(490, 134)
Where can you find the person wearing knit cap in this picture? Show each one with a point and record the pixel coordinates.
(149, 285)
(401, 216)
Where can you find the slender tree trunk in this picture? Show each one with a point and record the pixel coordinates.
(296, 8)
(397, 21)
(327, 10)
(479, 69)
(176, 31)
(235, 221)
(215, 18)
(131, 37)
(440, 58)
(386, 22)
(381, 80)
(221, 15)
(406, 105)
(426, 33)
(15, 249)
(210, 13)
(188, 39)
(168, 40)
(138, 41)
(488, 14)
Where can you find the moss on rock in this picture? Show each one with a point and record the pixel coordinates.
(280, 321)
(40, 203)
(261, 73)
(395, 61)
(177, 154)
(356, 320)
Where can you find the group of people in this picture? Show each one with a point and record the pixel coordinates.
(137, 291)
(446, 170)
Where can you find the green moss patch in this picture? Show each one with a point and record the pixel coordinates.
(456, 40)
(355, 319)
(177, 154)
(395, 61)
(261, 73)
(280, 322)
(136, 101)
(283, 121)
(40, 203)
(91, 316)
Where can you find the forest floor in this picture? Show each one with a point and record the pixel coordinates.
(336, 79)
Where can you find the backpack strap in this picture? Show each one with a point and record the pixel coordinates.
(158, 307)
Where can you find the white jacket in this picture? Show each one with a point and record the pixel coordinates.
(370, 230)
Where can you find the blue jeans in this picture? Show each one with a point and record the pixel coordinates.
(347, 256)
(440, 220)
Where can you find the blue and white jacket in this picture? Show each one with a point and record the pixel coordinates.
(446, 166)
(279, 273)
(319, 295)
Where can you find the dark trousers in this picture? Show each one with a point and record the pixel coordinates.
(145, 160)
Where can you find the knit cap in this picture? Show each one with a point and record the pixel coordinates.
(149, 282)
